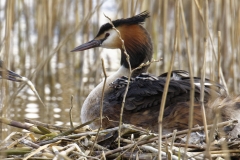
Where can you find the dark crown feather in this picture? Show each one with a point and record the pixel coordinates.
(137, 19)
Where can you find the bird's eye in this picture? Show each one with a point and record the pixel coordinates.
(107, 34)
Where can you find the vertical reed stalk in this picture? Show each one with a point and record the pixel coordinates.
(191, 109)
(164, 96)
(219, 56)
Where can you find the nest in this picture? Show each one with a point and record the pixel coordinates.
(45, 142)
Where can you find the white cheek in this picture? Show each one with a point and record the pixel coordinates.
(111, 40)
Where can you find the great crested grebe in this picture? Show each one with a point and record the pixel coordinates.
(145, 91)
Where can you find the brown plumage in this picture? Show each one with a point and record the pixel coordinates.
(145, 91)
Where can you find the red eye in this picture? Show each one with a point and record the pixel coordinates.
(106, 35)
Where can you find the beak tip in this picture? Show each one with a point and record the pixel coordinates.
(75, 49)
(88, 45)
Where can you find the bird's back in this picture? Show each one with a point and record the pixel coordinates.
(144, 96)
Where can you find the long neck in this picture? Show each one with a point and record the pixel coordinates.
(91, 105)
(138, 45)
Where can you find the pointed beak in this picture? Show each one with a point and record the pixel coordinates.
(91, 44)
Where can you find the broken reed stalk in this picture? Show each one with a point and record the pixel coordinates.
(173, 139)
(146, 64)
(20, 125)
(101, 105)
(129, 76)
(36, 151)
(164, 96)
(191, 109)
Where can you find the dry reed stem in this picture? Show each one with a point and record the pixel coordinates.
(218, 118)
(224, 145)
(146, 64)
(129, 76)
(191, 109)
(75, 128)
(31, 86)
(203, 72)
(194, 37)
(165, 35)
(101, 105)
(20, 125)
(36, 151)
(219, 55)
(7, 40)
(173, 139)
(38, 123)
(17, 141)
(99, 147)
(102, 97)
(203, 76)
(123, 152)
(164, 96)
(70, 112)
(88, 157)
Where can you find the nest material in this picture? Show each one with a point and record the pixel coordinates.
(136, 143)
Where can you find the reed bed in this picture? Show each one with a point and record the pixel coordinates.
(37, 37)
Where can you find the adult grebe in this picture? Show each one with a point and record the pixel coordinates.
(145, 91)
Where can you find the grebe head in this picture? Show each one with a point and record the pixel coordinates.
(136, 40)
